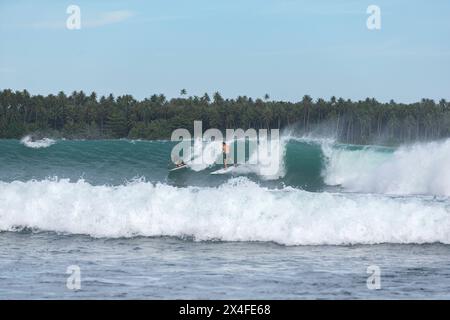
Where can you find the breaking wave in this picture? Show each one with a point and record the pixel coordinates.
(37, 144)
(239, 210)
(417, 169)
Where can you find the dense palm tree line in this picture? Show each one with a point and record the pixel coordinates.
(88, 116)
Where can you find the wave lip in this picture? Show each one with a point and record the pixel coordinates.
(239, 210)
(267, 166)
(37, 144)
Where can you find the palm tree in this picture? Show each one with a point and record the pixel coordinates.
(266, 97)
(217, 98)
(206, 99)
(183, 92)
(333, 100)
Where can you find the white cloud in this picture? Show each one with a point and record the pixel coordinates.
(107, 18)
(103, 19)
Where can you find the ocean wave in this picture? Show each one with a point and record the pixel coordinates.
(422, 168)
(37, 144)
(239, 210)
(267, 165)
(310, 163)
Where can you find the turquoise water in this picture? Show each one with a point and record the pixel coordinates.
(137, 230)
(115, 162)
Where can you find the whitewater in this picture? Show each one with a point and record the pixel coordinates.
(241, 211)
(325, 193)
(422, 168)
(311, 230)
(29, 142)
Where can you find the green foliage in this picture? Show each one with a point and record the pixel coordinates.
(157, 129)
(117, 124)
(89, 116)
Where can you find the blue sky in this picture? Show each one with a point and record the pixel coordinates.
(285, 48)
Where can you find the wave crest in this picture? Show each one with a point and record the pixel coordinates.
(416, 169)
(239, 210)
(29, 142)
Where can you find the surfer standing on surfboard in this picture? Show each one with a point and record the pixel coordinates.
(225, 152)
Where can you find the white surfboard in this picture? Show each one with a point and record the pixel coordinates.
(178, 168)
(223, 170)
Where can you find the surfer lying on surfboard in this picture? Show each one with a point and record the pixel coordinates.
(179, 164)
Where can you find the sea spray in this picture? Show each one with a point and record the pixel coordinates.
(422, 168)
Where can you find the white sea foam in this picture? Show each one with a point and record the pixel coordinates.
(37, 144)
(268, 166)
(239, 210)
(417, 169)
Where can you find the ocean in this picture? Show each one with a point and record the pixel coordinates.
(318, 229)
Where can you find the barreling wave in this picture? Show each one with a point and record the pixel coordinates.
(239, 210)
